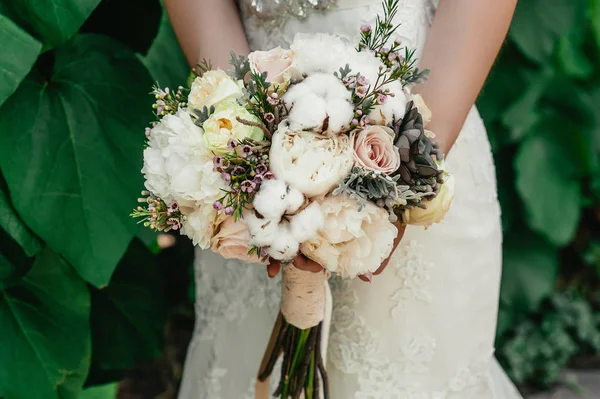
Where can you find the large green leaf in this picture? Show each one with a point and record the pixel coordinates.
(529, 275)
(53, 22)
(537, 25)
(164, 59)
(45, 337)
(71, 152)
(128, 316)
(549, 165)
(13, 225)
(19, 52)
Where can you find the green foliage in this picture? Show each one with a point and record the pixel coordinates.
(540, 107)
(45, 335)
(540, 347)
(77, 295)
(13, 69)
(59, 151)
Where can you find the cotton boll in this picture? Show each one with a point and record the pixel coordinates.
(295, 199)
(320, 103)
(393, 109)
(271, 200)
(284, 247)
(307, 223)
(262, 231)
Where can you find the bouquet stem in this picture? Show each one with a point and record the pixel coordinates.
(302, 369)
(298, 337)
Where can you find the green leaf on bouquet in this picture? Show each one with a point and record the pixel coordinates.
(529, 273)
(14, 226)
(19, 52)
(537, 25)
(71, 149)
(45, 336)
(53, 22)
(128, 316)
(164, 59)
(549, 165)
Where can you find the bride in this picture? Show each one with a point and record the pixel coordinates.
(425, 327)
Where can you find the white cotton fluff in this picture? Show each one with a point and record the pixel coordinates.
(271, 200)
(262, 231)
(295, 199)
(307, 223)
(284, 247)
(393, 109)
(321, 103)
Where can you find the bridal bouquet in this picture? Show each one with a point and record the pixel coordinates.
(316, 150)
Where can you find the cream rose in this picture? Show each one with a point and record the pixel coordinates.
(223, 125)
(277, 63)
(212, 88)
(436, 208)
(374, 149)
(422, 108)
(310, 162)
(231, 240)
(351, 242)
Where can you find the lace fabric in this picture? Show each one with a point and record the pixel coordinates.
(424, 329)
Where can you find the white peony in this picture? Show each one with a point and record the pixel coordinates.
(310, 162)
(212, 88)
(393, 109)
(177, 164)
(351, 242)
(320, 103)
(199, 225)
(328, 53)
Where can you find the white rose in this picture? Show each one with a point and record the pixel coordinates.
(351, 242)
(393, 109)
(320, 103)
(277, 63)
(422, 107)
(309, 162)
(212, 88)
(199, 225)
(436, 208)
(223, 125)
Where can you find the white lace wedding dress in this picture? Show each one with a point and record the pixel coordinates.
(424, 329)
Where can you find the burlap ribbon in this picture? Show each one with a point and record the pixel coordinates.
(305, 302)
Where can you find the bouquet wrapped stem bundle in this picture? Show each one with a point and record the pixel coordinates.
(315, 150)
(298, 335)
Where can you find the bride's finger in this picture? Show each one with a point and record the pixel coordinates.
(303, 263)
(401, 230)
(273, 267)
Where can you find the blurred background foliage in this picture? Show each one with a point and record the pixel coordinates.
(541, 107)
(85, 295)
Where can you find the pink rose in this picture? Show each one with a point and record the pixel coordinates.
(374, 149)
(231, 241)
(277, 63)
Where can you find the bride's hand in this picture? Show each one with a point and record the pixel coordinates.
(300, 261)
(401, 229)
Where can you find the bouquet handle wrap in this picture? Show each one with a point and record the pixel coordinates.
(306, 305)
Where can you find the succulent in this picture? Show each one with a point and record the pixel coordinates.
(418, 153)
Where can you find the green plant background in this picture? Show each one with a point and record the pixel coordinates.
(84, 293)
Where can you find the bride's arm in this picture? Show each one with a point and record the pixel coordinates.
(207, 29)
(462, 45)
